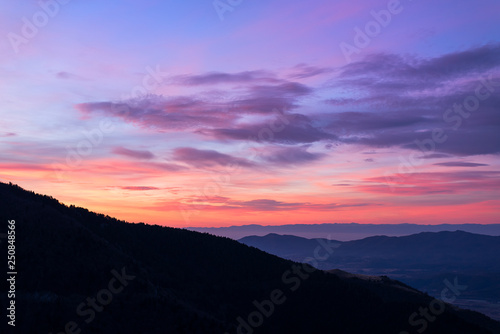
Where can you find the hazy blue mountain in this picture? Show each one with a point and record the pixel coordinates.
(287, 246)
(441, 250)
(453, 250)
(422, 260)
(344, 232)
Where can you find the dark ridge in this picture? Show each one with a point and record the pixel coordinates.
(187, 282)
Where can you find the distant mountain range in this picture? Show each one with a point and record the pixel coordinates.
(421, 260)
(288, 246)
(78, 270)
(344, 232)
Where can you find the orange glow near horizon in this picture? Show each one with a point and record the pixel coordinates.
(186, 199)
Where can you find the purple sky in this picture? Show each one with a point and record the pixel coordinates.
(202, 113)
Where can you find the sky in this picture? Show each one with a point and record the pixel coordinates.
(232, 112)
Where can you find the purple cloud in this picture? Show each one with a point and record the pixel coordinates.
(139, 188)
(160, 113)
(402, 100)
(271, 205)
(434, 183)
(390, 101)
(208, 158)
(214, 78)
(388, 71)
(286, 129)
(266, 99)
(358, 122)
(290, 155)
(268, 205)
(165, 166)
(302, 71)
(184, 112)
(8, 134)
(434, 156)
(460, 164)
(136, 154)
(67, 75)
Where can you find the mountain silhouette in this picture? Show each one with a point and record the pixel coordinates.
(287, 246)
(79, 270)
(422, 260)
(344, 232)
